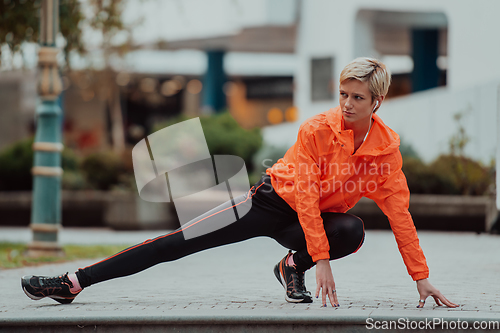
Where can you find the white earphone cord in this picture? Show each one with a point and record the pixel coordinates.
(371, 116)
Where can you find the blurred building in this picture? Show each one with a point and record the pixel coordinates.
(149, 98)
(18, 102)
(192, 57)
(275, 63)
(441, 52)
(282, 59)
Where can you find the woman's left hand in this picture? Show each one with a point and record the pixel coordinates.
(426, 289)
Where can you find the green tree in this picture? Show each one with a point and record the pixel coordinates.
(71, 19)
(224, 136)
(20, 22)
(107, 19)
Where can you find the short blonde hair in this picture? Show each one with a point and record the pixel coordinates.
(368, 70)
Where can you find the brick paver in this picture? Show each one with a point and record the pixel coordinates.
(238, 279)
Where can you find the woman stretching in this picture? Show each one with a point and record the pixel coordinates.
(340, 155)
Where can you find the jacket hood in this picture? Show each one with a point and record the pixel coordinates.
(381, 139)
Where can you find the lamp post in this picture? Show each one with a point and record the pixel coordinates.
(214, 98)
(47, 171)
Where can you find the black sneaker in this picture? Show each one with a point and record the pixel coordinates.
(57, 288)
(292, 281)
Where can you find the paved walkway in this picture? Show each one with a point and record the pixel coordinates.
(235, 283)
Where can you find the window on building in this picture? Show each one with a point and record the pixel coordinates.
(321, 79)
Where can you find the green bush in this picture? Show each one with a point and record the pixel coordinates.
(72, 178)
(102, 170)
(468, 176)
(16, 162)
(225, 136)
(424, 180)
(265, 158)
(407, 150)
(448, 174)
(69, 160)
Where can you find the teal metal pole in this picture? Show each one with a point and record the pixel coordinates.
(214, 98)
(425, 73)
(47, 171)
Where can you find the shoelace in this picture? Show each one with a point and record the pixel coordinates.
(301, 282)
(56, 281)
(298, 281)
(297, 277)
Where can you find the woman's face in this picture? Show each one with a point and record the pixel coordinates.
(356, 101)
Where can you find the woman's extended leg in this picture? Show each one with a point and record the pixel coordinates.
(260, 220)
(268, 214)
(264, 209)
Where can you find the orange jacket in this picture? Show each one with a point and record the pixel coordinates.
(320, 173)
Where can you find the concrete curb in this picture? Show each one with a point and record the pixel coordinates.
(238, 317)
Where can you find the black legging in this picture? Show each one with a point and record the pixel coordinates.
(269, 215)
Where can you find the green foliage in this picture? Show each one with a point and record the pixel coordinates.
(70, 20)
(452, 173)
(72, 178)
(468, 176)
(16, 162)
(12, 255)
(20, 22)
(69, 160)
(225, 136)
(407, 150)
(107, 19)
(448, 174)
(460, 139)
(422, 179)
(102, 170)
(265, 158)
(107, 16)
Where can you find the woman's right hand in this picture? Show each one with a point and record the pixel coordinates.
(325, 282)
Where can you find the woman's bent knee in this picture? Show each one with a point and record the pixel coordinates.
(356, 229)
(346, 227)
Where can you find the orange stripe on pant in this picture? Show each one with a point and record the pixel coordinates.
(181, 228)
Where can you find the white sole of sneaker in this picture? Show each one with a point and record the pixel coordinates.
(36, 298)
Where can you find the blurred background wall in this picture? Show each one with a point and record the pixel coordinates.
(132, 66)
(273, 64)
(442, 57)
